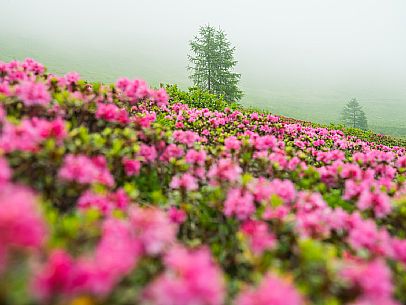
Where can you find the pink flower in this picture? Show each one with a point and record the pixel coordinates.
(123, 83)
(354, 189)
(85, 170)
(111, 113)
(92, 200)
(196, 157)
(177, 216)
(232, 144)
(172, 151)
(265, 142)
(137, 90)
(106, 112)
(72, 78)
(56, 277)
(186, 137)
(377, 200)
(51, 129)
(21, 223)
(351, 171)
(33, 93)
(330, 156)
(299, 144)
(254, 116)
(329, 175)
(191, 278)
(24, 137)
(263, 190)
(399, 249)
(272, 290)
(279, 212)
(259, 237)
(30, 133)
(179, 125)
(4, 89)
(160, 97)
(105, 203)
(318, 143)
(5, 171)
(224, 170)
(272, 118)
(30, 65)
(401, 162)
(131, 167)
(116, 255)
(153, 229)
(374, 278)
(338, 219)
(314, 223)
(239, 203)
(364, 234)
(313, 216)
(145, 119)
(148, 152)
(308, 202)
(186, 182)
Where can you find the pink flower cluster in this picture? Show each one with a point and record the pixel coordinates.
(189, 138)
(259, 237)
(137, 90)
(191, 277)
(112, 113)
(32, 93)
(30, 133)
(147, 231)
(21, 223)
(225, 170)
(116, 254)
(239, 203)
(69, 79)
(153, 228)
(272, 290)
(16, 71)
(85, 170)
(105, 203)
(185, 182)
(374, 279)
(5, 172)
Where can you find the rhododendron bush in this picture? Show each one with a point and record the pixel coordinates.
(122, 194)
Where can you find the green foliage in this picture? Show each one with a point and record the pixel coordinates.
(370, 136)
(198, 98)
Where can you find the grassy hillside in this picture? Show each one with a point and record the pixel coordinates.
(199, 99)
(386, 116)
(386, 112)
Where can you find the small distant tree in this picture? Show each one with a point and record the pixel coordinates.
(353, 115)
(212, 63)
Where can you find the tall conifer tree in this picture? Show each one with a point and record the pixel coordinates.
(212, 63)
(353, 115)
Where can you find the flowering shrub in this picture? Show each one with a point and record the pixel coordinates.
(123, 194)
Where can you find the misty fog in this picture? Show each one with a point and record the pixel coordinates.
(303, 59)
